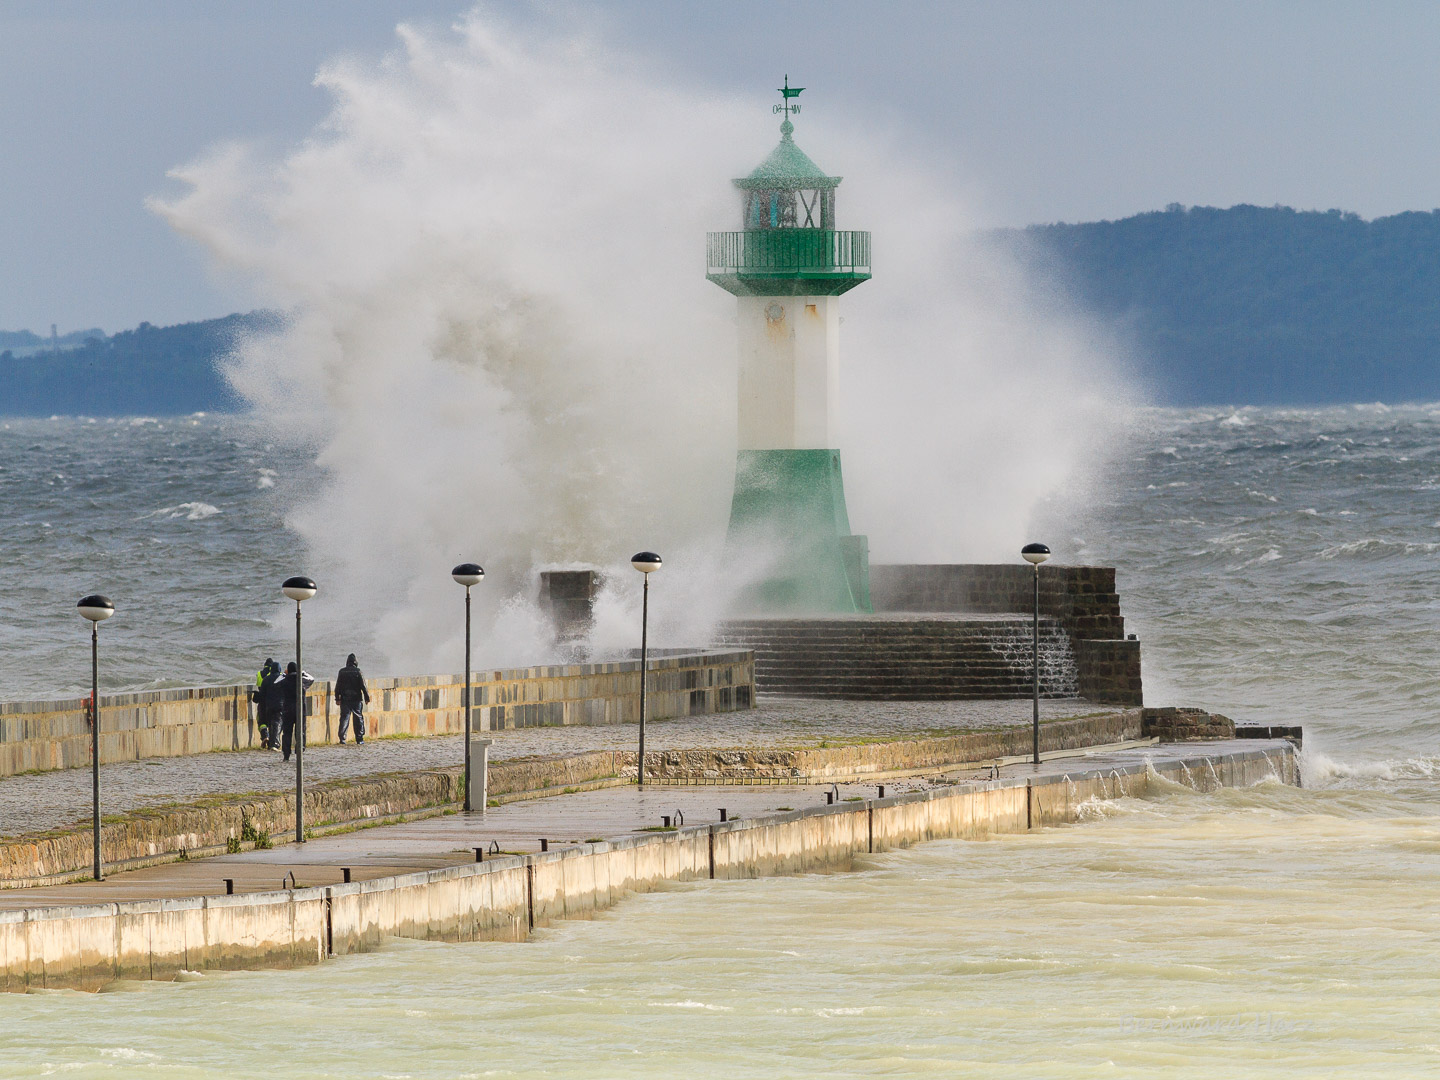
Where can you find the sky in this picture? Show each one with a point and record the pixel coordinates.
(1035, 111)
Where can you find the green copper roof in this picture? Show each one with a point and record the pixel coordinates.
(787, 167)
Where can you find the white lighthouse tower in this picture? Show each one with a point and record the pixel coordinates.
(787, 268)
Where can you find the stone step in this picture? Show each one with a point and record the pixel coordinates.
(849, 670)
(913, 683)
(881, 648)
(959, 694)
(889, 629)
(799, 639)
(904, 660)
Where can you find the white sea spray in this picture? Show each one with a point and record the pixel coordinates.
(501, 345)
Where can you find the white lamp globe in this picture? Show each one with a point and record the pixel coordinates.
(647, 562)
(95, 607)
(468, 573)
(1035, 553)
(298, 588)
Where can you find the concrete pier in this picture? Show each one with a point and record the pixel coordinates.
(420, 880)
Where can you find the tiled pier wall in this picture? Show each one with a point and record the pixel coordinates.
(40, 735)
(89, 947)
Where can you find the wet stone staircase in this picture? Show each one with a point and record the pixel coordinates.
(904, 657)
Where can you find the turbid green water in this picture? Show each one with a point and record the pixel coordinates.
(1268, 933)
(1278, 565)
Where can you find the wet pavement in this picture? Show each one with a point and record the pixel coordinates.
(560, 820)
(31, 805)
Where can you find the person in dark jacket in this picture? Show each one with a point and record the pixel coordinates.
(265, 717)
(272, 702)
(288, 713)
(352, 697)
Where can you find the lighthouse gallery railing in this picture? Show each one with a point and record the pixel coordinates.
(788, 252)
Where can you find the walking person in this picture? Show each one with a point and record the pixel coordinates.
(285, 687)
(352, 697)
(271, 704)
(262, 711)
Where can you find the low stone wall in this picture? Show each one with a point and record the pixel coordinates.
(1108, 670)
(88, 947)
(1185, 725)
(41, 735)
(867, 759)
(1082, 599)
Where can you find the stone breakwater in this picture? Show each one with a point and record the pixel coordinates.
(41, 735)
(209, 826)
(90, 946)
(878, 759)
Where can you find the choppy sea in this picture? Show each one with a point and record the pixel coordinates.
(1278, 566)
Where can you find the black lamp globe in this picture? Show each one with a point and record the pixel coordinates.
(298, 588)
(468, 573)
(1035, 554)
(95, 607)
(647, 562)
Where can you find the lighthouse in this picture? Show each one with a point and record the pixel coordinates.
(787, 268)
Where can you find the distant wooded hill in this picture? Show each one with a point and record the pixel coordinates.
(155, 370)
(1256, 305)
(1250, 305)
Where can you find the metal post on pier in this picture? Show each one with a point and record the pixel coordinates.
(96, 609)
(1035, 554)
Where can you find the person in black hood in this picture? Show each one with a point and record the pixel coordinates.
(285, 686)
(351, 695)
(272, 702)
(267, 718)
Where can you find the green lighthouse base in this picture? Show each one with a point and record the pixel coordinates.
(788, 520)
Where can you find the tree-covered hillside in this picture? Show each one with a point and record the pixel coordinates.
(156, 370)
(1255, 305)
(1249, 305)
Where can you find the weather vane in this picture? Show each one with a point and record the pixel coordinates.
(788, 92)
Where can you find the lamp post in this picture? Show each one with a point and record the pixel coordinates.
(299, 589)
(1035, 554)
(96, 609)
(467, 574)
(647, 562)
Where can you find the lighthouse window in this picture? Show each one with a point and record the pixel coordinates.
(788, 209)
(810, 203)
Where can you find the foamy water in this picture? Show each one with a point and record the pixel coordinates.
(1269, 932)
(1266, 933)
(501, 345)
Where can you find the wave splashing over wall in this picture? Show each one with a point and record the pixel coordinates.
(501, 345)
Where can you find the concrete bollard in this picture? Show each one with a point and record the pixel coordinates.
(479, 751)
